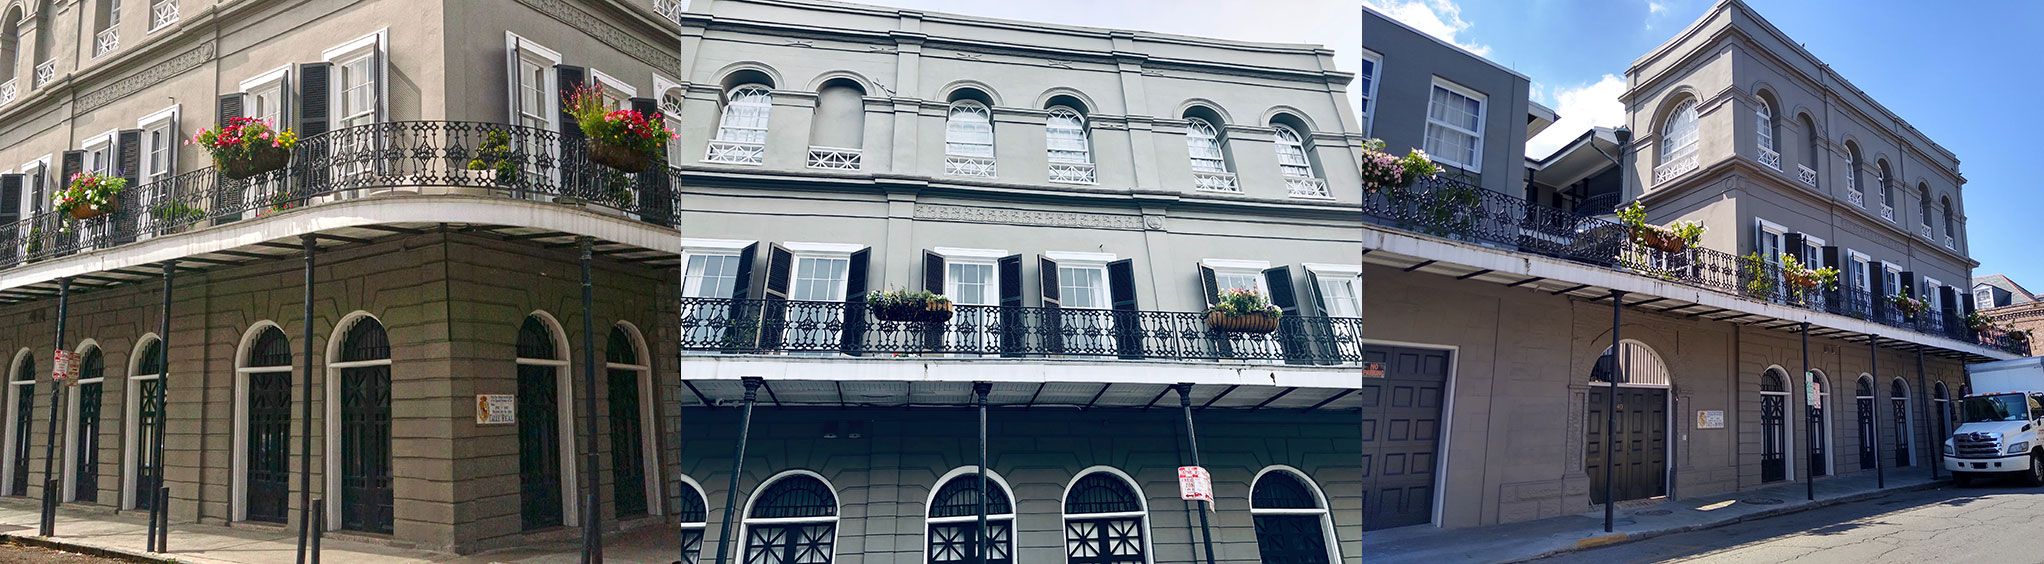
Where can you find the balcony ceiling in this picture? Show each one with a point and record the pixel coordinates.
(1048, 394)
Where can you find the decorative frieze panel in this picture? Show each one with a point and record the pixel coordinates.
(603, 31)
(972, 214)
(180, 64)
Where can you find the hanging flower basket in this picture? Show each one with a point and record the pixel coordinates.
(259, 160)
(625, 140)
(1260, 323)
(619, 157)
(246, 147)
(84, 212)
(909, 307)
(1660, 239)
(90, 195)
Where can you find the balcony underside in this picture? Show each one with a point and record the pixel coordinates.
(1056, 383)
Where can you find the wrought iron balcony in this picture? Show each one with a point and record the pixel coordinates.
(1452, 209)
(106, 41)
(833, 158)
(45, 72)
(772, 326)
(437, 157)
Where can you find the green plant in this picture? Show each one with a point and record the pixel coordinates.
(241, 136)
(1802, 279)
(1759, 279)
(1239, 302)
(617, 189)
(1979, 321)
(1909, 306)
(179, 213)
(495, 154)
(1673, 237)
(646, 134)
(1382, 171)
(35, 240)
(897, 298)
(89, 189)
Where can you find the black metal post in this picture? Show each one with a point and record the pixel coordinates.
(1874, 370)
(159, 516)
(752, 385)
(48, 525)
(1809, 473)
(1206, 533)
(1611, 406)
(592, 511)
(979, 393)
(1923, 394)
(310, 515)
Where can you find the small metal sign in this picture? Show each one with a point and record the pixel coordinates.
(1373, 370)
(61, 369)
(496, 409)
(1195, 484)
(1710, 419)
(1810, 389)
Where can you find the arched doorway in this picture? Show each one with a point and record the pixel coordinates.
(1106, 521)
(542, 364)
(1941, 402)
(954, 517)
(263, 453)
(1638, 465)
(1291, 519)
(693, 514)
(21, 390)
(1820, 426)
(81, 442)
(1905, 437)
(792, 519)
(145, 373)
(634, 489)
(362, 426)
(1863, 402)
(1773, 425)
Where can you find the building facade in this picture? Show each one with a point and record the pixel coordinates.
(1081, 195)
(423, 248)
(2008, 304)
(1580, 364)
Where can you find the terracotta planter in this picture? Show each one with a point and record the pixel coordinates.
(86, 212)
(1661, 240)
(261, 159)
(619, 157)
(1253, 323)
(937, 312)
(1803, 281)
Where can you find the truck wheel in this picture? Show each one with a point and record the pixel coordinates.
(2036, 475)
(1962, 479)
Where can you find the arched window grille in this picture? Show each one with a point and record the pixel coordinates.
(265, 371)
(1203, 142)
(742, 131)
(1104, 522)
(954, 516)
(1764, 126)
(969, 140)
(1773, 426)
(694, 518)
(540, 364)
(1070, 152)
(793, 520)
(140, 445)
(1291, 523)
(1887, 185)
(1679, 135)
(21, 387)
(1291, 153)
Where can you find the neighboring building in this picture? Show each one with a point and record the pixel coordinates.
(1512, 299)
(1081, 195)
(2009, 304)
(446, 247)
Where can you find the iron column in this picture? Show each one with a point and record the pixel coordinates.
(592, 518)
(1874, 370)
(1809, 472)
(752, 384)
(979, 393)
(306, 531)
(1206, 533)
(1923, 393)
(159, 513)
(1611, 406)
(48, 525)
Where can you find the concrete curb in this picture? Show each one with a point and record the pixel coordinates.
(31, 540)
(1614, 539)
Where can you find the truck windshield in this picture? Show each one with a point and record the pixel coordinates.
(1998, 407)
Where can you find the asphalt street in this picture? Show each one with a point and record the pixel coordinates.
(1999, 521)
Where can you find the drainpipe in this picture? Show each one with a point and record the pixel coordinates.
(752, 384)
(1206, 533)
(159, 512)
(47, 526)
(592, 518)
(1611, 405)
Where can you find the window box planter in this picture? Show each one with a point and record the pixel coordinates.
(84, 212)
(626, 140)
(1242, 311)
(909, 307)
(620, 157)
(1258, 323)
(246, 147)
(259, 159)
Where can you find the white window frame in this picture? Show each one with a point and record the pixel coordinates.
(649, 448)
(280, 78)
(1764, 132)
(131, 421)
(1370, 92)
(68, 464)
(614, 85)
(1298, 140)
(1983, 298)
(1065, 169)
(1891, 278)
(1780, 235)
(800, 250)
(1864, 265)
(691, 248)
(730, 149)
(1220, 145)
(156, 25)
(29, 204)
(372, 45)
(969, 163)
(670, 113)
(1932, 298)
(1089, 261)
(1669, 151)
(518, 49)
(983, 257)
(13, 398)
(1482, 117)
(167, 117)
(1252, 268)
(95, 144)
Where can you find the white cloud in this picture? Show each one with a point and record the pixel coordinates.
(1582, 107)
(1439, 18)
(1656, 8)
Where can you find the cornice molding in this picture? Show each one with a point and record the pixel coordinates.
(603, 31)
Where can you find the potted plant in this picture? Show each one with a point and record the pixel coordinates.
(247, 147)
(35, 242)
(1803, 278)
(90, 195)
(177, 215)
(1979, 322)
(622, 139)
(1382, 171)
(1243, 311)
(918, 306)
(1907, 305)
(1673, 238)
(1759, 281)
(278, 202)
(495, 156)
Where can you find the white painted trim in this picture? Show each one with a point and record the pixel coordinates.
(1327, 531)
(1237, 264)
(744, 519)
(332, 386)
(517, 47)
(967, 472)
(1482, 120)
(14, 385)
(696, 244)
(67, 465)
(1442, 452)
(969, 254)
(1324, 269)
(1788, 421)
(688, 482)
(613, 83)
(237, 503)
(275, 75)
(1149, 552)
(1100, 259)
(564, 413)
(1369, 112)
(831, 249)
(131, 421)
(356, 45)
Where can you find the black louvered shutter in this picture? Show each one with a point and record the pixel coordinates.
(121, 224)
(1013, 332)
(1320, 328)
(230, 107)
(1909, 284)
(965, 318)
(1834, 295)
(38, 190)
(853, 340)
(1877, 283)
(1128, 319)
(1291, 328)
(1950, 307)
(315, 96)
(1797, 247)
(656, 196)
(576, 170)
(1209, 285)
(741, 333)
(1052, 324)
(10, 219)
(773, 310)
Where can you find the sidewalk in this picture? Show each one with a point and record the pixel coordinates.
(1634, 520)
(211, 544)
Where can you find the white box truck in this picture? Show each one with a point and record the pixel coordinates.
(2000, 423)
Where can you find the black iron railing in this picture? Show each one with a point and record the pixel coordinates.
(426, 157)
(789, 326)
(1458, 210)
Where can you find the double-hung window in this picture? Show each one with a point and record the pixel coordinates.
(1891, 278)
(1454, 134)
(357, 100)
(1770, 241)
(709, 276)
(99, 155)
(1983, 298)
(969, 140)
(534, 99)
(1086, 317)
(972, 278)
(1859, 274)
(617, 94)
(1070, 154)
(264, 98)
(1295, 164)
(1371, 62)
(160, 203)
(820, 274)
(1341, 299)
(1204, 144)
(742, 131)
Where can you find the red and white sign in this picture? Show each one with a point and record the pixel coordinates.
(60, 367)
(1373, 370)
(1195, 484)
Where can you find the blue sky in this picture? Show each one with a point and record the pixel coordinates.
(1970, 77)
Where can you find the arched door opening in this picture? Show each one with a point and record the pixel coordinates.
(1638, 464)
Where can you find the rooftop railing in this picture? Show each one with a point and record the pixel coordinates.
(1458, 210)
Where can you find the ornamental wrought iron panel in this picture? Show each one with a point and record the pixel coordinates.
(795, 497)
(1305, 187)
(24, 419)
(162, 13)
(1901, 431)
(627, 461)
(44, 73)
(85, 467)
(1773, 437)
(1104, 541)
(812, 543)
(106, 41)
(1290, 539)
(736, 152)
(1101, 492)
(269, 444)
(833, 158)
(692, 517)
(958, 542)
(1071, 173)
(1215, 182)
(1820, 459)
(539, 446)
(366, 495)
(1282, 490)
(1867, 449)
(960, 498)
(145, 439)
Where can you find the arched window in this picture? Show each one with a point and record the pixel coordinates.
(1819, 432)
(21, 403)
(1295, 163)
(969, 140)
(1905, 439)
(1855, 175)
(1887, 181)
(1863, 402)
(82, 438)
(742, 131)
(1070, 152)
(694, 518)
(954, 516)
(1774, 437)
(1923, 201)
(263, 453)
(106, 20)
(1105, 521)
(670, 110)
(1291, 521)
(629, 382)
(542, 367)
(10, 51)
(362, 445)
(1203, 142)
(1642, 365)
(838, 132)
(144, 379)
(1941, 400)
(1945, 204)
(1764, 127)
(1679, 135)
(1810, 140)
(792, 519)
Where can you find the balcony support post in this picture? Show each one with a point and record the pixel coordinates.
(1923, 403)
(979, 400)
(308, 532)
(159, 514)
(1874, 370)
(592, 518)
(1809, 436)
(1611, 405)
(752, 384)
(47, 526)
(1206, 532)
